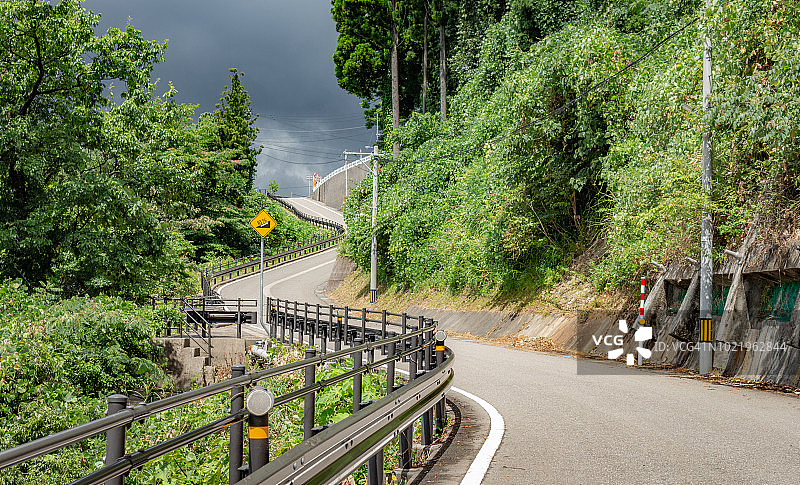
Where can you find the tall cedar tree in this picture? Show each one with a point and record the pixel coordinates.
(235, 125)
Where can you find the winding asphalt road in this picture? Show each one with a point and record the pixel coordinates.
(561, 427)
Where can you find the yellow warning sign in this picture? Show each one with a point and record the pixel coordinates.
(263, 223)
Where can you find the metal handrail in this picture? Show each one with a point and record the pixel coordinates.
(339, 170)
(128, 416)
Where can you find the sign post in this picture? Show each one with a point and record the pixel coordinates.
(263, 224)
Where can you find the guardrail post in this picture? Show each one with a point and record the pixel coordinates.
(309, 399)
(407, 435)
(357, 364)
(441, 417)
(337, 343)
(420, 341)
(293, 325)
(427, 425)
(315, 327)
(305, 330)
(283, 322)
(346, 324)
(236, 447)
(115, 437)
(390, 368)
(404, 326)
(363, 324)
(383, 331)
(239, 318)
(375, 474)
(259, 402)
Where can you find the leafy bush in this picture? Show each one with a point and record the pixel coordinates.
(508, 211)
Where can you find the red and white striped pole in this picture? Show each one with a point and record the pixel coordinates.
(641, 317)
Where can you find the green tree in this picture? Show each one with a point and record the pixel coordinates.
(235, 125)
(54, 70)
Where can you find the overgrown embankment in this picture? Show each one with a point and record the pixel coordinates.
(519, 179)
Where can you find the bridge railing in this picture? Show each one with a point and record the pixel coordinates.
(339, 170)
(328, 453)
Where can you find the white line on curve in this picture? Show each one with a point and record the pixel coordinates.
(497, 427)
(477, 470)
(268, 287)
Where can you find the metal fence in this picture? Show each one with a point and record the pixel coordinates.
(200, 314)
(339, 170)
(328, 453)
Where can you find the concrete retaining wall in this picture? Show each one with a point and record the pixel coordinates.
(332, 192)
(750, 342)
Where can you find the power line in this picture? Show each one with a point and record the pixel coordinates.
(312, 119)
(556, 111)
(300, 151)
(301, 163)
(353, 137)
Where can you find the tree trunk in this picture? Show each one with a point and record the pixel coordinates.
(395, 84)
(442, 70)
(425, 61)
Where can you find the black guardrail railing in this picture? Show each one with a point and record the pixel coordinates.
(201, 314)
(244, 266)
(329, 452)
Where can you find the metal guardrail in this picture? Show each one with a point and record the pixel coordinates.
(324, 455)
(201, 314)
(328, 453)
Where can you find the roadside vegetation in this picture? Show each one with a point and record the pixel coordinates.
(60, 359)
(505, 198)
(110, 192)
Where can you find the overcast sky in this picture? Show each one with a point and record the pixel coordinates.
(285, 49)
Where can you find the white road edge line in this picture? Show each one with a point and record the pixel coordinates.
(219, 288)
(477, 470)
(497, 427)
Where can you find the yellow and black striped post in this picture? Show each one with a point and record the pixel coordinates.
(259, 402)
(705, 330)
(373, 296)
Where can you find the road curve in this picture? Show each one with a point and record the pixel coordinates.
(561, 427)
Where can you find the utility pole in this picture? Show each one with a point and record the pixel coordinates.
(707, 227)
(373, 254)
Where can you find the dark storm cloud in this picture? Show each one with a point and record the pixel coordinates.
(285, 49)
